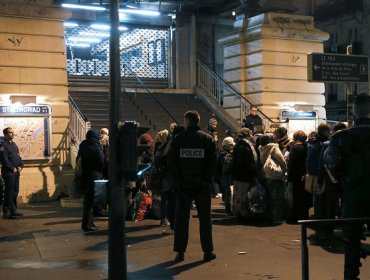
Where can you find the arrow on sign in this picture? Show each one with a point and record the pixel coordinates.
(316, 67)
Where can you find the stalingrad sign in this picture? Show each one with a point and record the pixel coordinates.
(337, 68)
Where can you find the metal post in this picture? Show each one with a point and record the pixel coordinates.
(117, 260)
(348, 88)
(304, 248)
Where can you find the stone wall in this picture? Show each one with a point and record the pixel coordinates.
(265, 59)
(33, 65)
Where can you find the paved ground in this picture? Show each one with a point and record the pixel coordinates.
(47, 243)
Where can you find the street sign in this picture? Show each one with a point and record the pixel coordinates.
(337, 68)
(298, 114)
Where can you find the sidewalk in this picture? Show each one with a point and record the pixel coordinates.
(47, 243)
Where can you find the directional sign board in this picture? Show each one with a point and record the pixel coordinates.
(337, 68)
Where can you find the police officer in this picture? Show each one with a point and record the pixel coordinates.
(11, 168)
(192, 159)
(348, 159)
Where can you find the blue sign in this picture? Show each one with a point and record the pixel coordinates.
(298, 114)
(24, 110)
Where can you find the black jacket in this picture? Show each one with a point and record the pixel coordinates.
(192, 157)
(10, 157)
(92, 157)
(348, 158)
(245, 164)
(252, 122)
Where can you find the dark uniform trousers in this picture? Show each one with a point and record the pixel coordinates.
(11, 191)
(201, 194)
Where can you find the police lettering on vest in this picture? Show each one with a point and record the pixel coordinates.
(191, 153)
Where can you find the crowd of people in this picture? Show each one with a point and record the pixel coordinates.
(262, 174)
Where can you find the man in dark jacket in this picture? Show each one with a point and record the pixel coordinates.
(348, 159)
(192, 157)
(11, 168)
(92, 161)
(253, 121)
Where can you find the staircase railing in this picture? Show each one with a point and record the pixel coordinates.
(219, 89)
(78, 124)
(150, 92)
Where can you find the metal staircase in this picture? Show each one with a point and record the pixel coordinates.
(229, 104)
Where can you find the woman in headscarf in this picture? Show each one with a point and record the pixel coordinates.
(274, 181)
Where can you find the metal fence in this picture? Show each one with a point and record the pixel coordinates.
(144, 50)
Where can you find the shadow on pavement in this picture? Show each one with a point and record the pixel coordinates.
(22, 236)
(163, 271)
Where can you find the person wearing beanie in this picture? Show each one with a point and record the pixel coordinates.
(92, 160)
(348, 159)
(146, 149)
(212, 124)
(284, 141)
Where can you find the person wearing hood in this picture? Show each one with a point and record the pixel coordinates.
(244, 172)
(274, 181)
(348, 159)
(92, 161)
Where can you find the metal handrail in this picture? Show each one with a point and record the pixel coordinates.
(309, 223)
(216, 86)
(78, 123)
(150, 93)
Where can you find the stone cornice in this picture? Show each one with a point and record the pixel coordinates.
(276, 25)
(33, 9)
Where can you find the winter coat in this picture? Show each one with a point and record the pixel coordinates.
(245, 161)
(348, 158)
(275, 154)
(314, 147)
(252, 122)
(297, 162)
(92, 160)
(192, 157)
